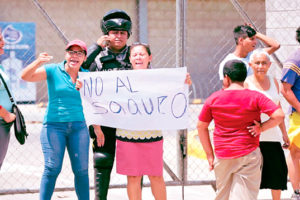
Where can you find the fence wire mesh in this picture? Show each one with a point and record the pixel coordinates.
(208, 39)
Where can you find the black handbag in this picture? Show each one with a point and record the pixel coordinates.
(19, 123)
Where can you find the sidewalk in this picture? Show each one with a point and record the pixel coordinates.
(173, 192)
(204, 192)
(31, 171)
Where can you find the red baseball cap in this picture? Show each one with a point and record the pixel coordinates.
(77, 42)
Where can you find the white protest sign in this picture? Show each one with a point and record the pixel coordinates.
(152, 99)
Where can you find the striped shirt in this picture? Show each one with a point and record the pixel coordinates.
(291, 74)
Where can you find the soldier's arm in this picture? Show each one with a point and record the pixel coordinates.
(92, 53)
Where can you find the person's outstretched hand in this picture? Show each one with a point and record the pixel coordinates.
(44, 57)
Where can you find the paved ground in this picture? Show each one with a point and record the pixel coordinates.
(23, 167)
(173, 192)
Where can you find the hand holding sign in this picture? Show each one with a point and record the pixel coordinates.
(153, 99)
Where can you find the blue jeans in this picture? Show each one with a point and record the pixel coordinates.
(55, 137)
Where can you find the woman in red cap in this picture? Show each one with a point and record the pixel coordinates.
(64, 124)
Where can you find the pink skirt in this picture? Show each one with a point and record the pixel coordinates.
(139, 158)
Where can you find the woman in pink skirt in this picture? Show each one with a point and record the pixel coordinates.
(140, 153)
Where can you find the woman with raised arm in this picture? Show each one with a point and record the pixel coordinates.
(64, 125)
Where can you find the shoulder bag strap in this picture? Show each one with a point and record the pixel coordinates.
(7, 90)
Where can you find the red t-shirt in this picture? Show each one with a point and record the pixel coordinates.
(233, 111)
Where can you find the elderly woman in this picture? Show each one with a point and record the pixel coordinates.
(270, 140)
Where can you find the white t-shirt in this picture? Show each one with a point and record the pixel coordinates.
(231, 56)
(274, 134)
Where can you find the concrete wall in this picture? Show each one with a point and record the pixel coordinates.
(208, 36)
(283, 18)
(210, 27)
(75, 19)
(209, 30)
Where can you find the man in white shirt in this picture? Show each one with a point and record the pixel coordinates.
(245, 38)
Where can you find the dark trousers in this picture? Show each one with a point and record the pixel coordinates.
(103, 161)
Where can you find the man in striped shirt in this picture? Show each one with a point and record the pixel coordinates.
(291, 91)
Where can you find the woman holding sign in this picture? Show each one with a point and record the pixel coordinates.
(140, 153)
(64, 124)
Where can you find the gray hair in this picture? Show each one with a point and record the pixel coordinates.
(257, 52)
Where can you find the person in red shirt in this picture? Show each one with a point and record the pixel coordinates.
(236, 114)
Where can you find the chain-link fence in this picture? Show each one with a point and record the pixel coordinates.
(194, 33)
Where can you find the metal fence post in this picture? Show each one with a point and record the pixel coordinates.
(142, 20)
(49, 19)
(180, 62)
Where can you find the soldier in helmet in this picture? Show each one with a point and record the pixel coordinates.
(109, 53)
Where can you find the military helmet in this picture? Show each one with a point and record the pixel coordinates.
(116, 20)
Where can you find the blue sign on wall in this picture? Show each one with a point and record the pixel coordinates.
(19, 51)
